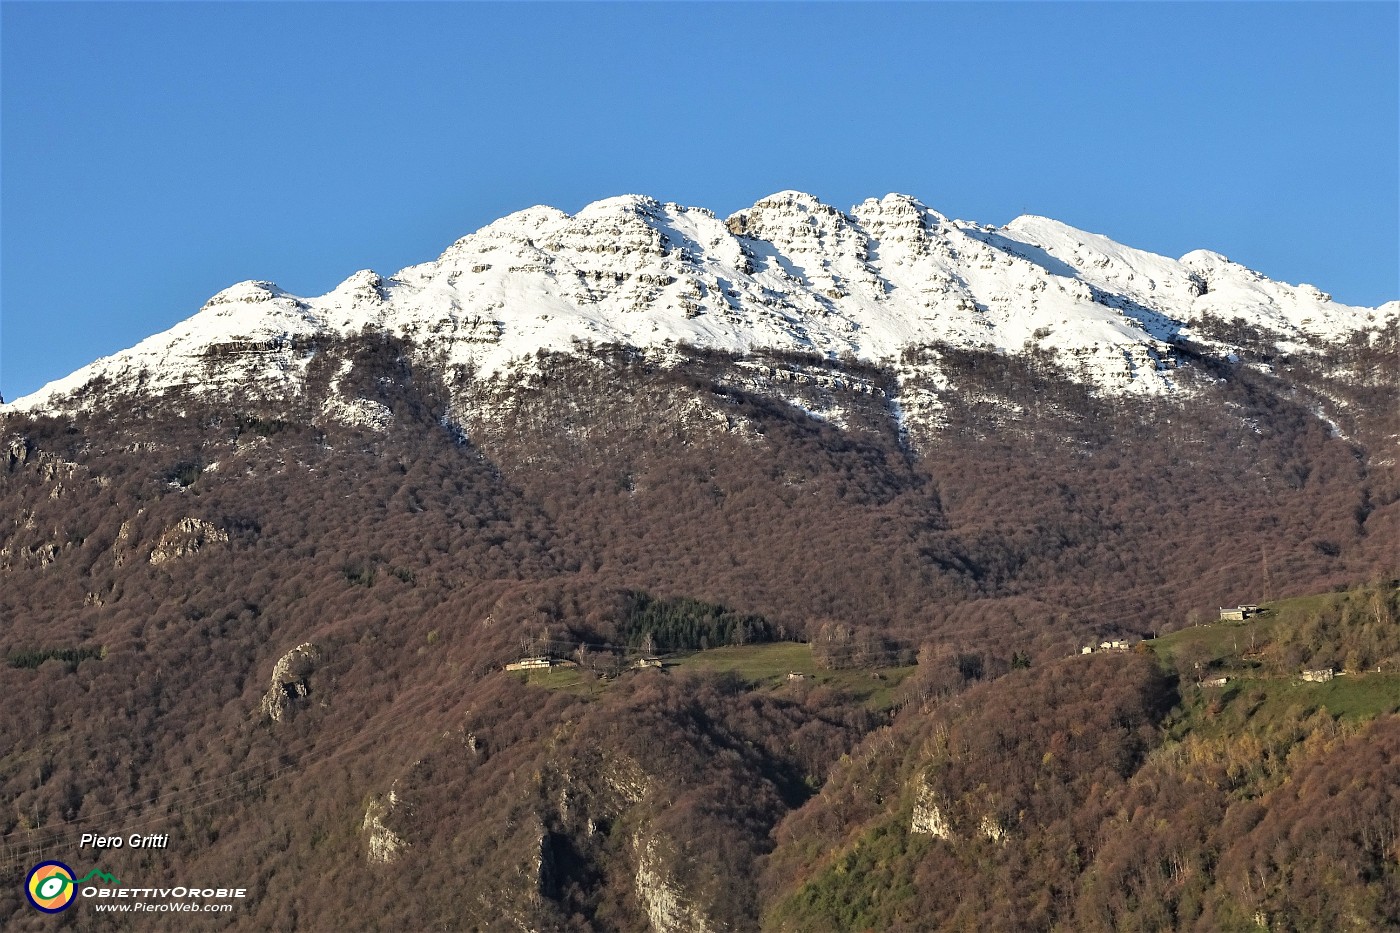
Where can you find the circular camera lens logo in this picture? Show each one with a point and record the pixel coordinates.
(49, 887)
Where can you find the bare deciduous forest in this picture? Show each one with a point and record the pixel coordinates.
(158, 560)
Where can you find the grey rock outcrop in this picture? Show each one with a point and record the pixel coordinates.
(185, 537)
(289, 680)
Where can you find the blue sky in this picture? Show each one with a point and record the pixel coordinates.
(152, 154)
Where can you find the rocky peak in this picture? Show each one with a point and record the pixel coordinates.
(364, 286)
(788, 218)
(249, 292)
(625, 226)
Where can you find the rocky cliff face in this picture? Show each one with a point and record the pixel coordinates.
(928, 817)
(383, 845)
(667, 907)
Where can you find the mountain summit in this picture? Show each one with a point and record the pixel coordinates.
(787, 274)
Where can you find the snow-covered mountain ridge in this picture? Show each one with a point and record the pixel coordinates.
(789, 273)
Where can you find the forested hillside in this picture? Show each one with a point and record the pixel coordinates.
(278, 635)
(1106, 793)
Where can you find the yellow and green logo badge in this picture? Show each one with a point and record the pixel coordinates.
(50, 887)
